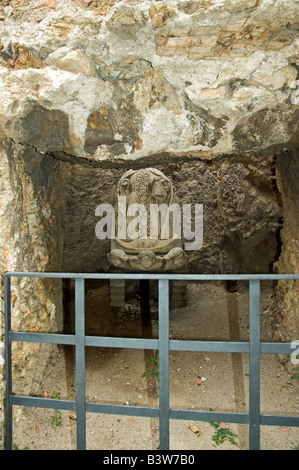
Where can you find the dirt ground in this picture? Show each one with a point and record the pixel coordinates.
(198, 380)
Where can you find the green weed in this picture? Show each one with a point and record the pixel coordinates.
(57, 416)
(296, 375)
(223, 434)
(155, 372)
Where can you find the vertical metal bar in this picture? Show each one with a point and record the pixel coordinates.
(80, 363)
(164, 363)
(8, 365)
(254, 365)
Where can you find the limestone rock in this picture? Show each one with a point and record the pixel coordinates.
(74, 61)
(287, 327)
(20, 57)
(130, 69)
(45, 129)
(232, 60)
(126, 22)
(159, 15)
(153, 91)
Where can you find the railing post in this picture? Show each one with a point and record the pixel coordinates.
(8, 372)
(254, 364)
(80, 362)
(164, 363)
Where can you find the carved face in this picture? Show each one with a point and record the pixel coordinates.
(147, 261)
(160, 190)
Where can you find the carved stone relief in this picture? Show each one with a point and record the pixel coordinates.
(157, 246)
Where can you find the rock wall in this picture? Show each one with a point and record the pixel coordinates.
(29, 241)
(126, 79)
(288, 292)
(206, 91)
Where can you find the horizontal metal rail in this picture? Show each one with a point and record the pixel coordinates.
(171, 277)
(254, 347)
(139, 343)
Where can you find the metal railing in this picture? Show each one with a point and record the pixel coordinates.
(254, 347)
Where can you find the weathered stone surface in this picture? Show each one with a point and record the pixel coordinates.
(236, 60)
(159, 15)
(288, 292)
(52, 115)
(29, 227)
(126, 22)
(73, 61)
(147, 260)
(47, 130)
(113, 131)
(205, 91)
(20, 57)
(226, 28)
(154, 91)
(129, 69)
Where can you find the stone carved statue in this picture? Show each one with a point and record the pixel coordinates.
(157, 245)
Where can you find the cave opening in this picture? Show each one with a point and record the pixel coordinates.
(243, 217)
(246, 228)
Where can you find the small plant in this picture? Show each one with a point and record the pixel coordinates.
(15, 447)
(296, 375)
(223, 434)
(57, 416)
(155, 372)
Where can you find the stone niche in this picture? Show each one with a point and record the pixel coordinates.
(242, 211)
(242, 214)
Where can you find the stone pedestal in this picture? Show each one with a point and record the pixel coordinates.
(117, 292)
(177, 293)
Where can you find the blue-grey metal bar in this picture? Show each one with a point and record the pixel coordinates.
(279, 420)
(231, 417)
(8, 371)
(171, 277)
(140, 343)
(125, 410)
(38, 402)
(276, 348)
(208, 346)
(42, 337)
(80, 363)
(217, 416)
(164, 363)
(99, 341)
(115, 342)
(254, 364)
(151, 412)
